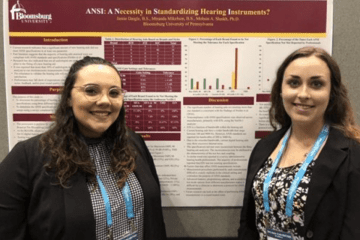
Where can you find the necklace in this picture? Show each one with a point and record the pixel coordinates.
(295, 158)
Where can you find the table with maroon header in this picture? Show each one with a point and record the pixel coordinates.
(143, 52)
(151, 81)
(153, 116)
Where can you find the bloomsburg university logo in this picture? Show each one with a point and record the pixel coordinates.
(18, 13)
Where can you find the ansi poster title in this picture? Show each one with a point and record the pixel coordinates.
(177, 17)
(182, 11)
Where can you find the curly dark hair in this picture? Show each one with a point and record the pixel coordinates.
(69, 153)
(338, 114)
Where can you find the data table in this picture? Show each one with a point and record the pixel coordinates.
(151, 81)
(153, 115)
(143, 52)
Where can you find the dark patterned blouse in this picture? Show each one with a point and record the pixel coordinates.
(278, 191)
(100, 153)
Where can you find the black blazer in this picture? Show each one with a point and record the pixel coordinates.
(32, 208)
(332, 210)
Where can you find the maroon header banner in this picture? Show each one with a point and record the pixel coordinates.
(167, 16)
(263, 97)
(36, 89)
(161, 136)
(28, 117)
(55, 40)
(218, 101)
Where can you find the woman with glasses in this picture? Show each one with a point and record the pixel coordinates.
(88, 176)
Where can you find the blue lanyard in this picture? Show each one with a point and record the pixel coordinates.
(127, 198)
(128, 201)
(105, 196)
(299, 175)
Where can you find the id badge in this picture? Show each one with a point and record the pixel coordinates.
(130, 236)
(272, 234)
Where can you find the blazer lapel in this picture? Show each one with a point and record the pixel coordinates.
(266, 148)
(328, 162)
(79, 215)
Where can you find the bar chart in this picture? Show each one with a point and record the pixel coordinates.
(234, 79)
(272, 57)
(225, 69)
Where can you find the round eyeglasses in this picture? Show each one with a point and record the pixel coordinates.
(94, 92)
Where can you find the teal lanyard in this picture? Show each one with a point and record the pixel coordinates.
(299, 175)
(106, 199)
(127, 198)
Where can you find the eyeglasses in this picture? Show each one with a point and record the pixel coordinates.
(94, 92)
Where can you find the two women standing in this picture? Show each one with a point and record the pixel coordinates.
(90, 177)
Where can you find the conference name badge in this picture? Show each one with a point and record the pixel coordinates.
(130, 236)
(278, 235)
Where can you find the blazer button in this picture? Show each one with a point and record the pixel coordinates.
(309, 234)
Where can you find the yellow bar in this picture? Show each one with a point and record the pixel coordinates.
(162, 34)
(233, 80)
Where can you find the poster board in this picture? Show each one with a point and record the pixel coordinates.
(198, 75)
